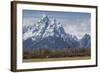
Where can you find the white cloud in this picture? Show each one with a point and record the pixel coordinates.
(30, 21)
(78, 29)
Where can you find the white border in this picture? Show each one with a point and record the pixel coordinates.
(21, 65)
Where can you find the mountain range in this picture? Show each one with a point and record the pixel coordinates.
(50, 34)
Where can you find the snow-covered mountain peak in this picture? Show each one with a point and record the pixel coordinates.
(44, 15)
(44, 19)
(50, 33)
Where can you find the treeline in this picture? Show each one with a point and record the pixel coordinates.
(57, 53)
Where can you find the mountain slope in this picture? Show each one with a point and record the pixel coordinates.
(85, 41)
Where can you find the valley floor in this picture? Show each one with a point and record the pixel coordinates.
(57, 59)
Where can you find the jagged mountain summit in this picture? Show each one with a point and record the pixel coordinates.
(50, 34)
(85, 41)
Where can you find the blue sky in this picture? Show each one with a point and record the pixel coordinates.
(75, 23)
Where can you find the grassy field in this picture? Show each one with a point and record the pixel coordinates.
(57, 59)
